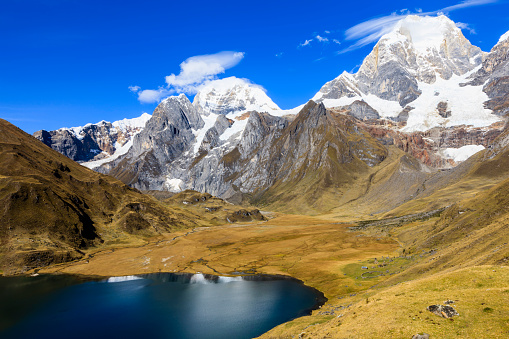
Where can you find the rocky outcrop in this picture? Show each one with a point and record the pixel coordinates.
(361, 110)
(444, 311)
(442, 109)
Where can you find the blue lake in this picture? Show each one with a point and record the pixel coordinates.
(162, 305)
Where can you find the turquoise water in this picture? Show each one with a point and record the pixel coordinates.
(160, 305)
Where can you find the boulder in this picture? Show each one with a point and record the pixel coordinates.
(444, 311)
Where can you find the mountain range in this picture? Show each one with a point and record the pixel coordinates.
(424, 89)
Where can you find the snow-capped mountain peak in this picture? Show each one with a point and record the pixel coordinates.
(232, 95)
(412, 73)
(424, 33)
(133, 123)
(423, 47)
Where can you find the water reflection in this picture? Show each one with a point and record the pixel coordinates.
(159, 305)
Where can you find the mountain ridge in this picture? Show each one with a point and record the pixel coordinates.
(211, 145)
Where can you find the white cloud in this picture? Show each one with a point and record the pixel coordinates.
(279, 55)
(372, 30)
(336, 41)
(149, 96)
(327, 32)
(462, 25)
(321, 39)
(194, 72)
(306, 43)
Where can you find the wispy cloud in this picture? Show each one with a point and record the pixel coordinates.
(372, 30)
(194, 73)
(467, 3)
(279, 55)
(321, 39)
(306, 43)
(464, 26)
(336, 41)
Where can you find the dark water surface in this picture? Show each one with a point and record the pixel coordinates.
(160, 305)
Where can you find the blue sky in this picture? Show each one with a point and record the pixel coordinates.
(67, 63)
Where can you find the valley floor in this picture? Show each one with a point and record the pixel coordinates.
(374, 290)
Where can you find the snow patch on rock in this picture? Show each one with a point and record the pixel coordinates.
(464, 102)
(462, 153)
(174, 185)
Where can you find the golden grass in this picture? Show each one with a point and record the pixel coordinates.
(480, 295)
(306, 248)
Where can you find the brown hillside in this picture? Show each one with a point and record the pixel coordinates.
(53, 210)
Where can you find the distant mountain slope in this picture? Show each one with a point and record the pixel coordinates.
(94, 141)
(54, 209)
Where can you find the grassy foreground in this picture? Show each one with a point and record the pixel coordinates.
(374, 290)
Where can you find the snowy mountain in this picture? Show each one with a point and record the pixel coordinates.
(424, 89)
(421, 65)
(94, 142)
(231, 95)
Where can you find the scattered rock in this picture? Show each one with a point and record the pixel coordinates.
(442, 110)
(420, 336)
(449, 301)
(443, 311)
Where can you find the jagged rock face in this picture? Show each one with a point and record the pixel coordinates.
(268, 149)
(211, 138)
(93, 141)
(344, 85)
(65, 143)
(494, 74)
(429, 146)
(169, 129)
(164, 139)
(361, 110)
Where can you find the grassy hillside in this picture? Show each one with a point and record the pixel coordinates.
(54, 210)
